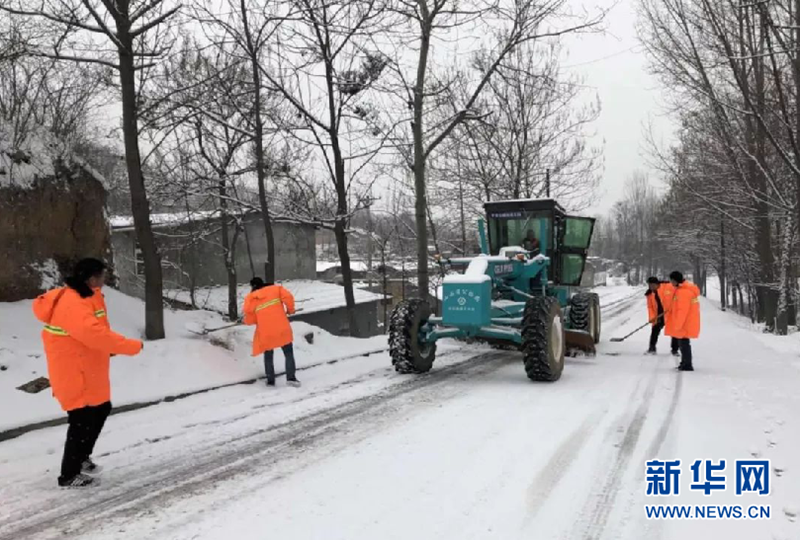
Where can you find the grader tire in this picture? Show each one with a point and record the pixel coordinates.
(584, 314)
(408, 355)
(598, 317)
(543, 340)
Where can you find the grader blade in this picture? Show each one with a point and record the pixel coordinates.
(580, 340)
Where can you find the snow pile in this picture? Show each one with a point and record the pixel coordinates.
(164, 219)
(475, 273)
(21, 165)
(355, 266)
(310, 296)
(49, 273)
(510, 251)
(24, 163)
(477, 267)
(183, 362)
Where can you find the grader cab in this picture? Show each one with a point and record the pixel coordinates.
(522, 291)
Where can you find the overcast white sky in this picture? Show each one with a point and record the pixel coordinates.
(632, 100)
(615, 67)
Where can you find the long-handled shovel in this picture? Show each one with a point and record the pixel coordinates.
(201, 330)
(623, 338)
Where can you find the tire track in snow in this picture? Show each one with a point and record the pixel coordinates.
(154, 488)
(556, 468)
(599, 505)
(666, 422)
(564, 456)
(654, 529)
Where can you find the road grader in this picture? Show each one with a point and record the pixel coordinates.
(510, 295)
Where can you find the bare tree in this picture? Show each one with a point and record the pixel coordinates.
(203, 108)
(82, 31)
(244, 29)
(508, 25)
(322, 67)
(734, 70)
(42, 95)
(531, 144)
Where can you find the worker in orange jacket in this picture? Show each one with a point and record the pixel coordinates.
(78, 342)
(683, 323)
(659, 301)
(267, 307)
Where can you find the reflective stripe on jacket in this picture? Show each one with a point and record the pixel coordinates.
(267, 308)
(78, 342)
(684, 319)
(664, 292)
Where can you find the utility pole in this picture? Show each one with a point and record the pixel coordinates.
(370, 232)
(547, 183)
(723, 284)
(463, 217)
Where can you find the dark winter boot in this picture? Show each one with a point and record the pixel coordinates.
(90, 467)
(78, 481)
(650, 352)
(687, 367)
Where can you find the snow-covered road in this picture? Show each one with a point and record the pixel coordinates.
(471, 450)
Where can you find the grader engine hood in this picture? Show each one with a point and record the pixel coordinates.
(467, 299)
(467, 302)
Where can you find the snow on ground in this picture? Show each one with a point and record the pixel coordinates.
(472, 450)
(310, 296)
(123, 222)
(182, 363)
(788, 345)
(355, 266)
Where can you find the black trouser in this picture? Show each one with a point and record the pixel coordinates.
(85, 425)
(269, 364)
(654, 333)
(686, 352)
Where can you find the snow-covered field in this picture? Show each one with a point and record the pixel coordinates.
(183, 363)
(310, 296)
(471, 450)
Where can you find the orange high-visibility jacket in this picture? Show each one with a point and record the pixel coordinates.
(267, 308)
(664, 292)
(684, 319)
(78, 342)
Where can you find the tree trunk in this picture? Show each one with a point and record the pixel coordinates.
(723, 286)
(191, 249)
(153, 279)
(342, 206)
(421, 204)
(782, 324)
(768, 302)
(370, 239)
(227, 253)
(796, 66)
(269, 264)
(741, 298)
(233, 278)
(258, 141)
(385, 284)
(339, 230)
(248, 246)
(463, 217)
